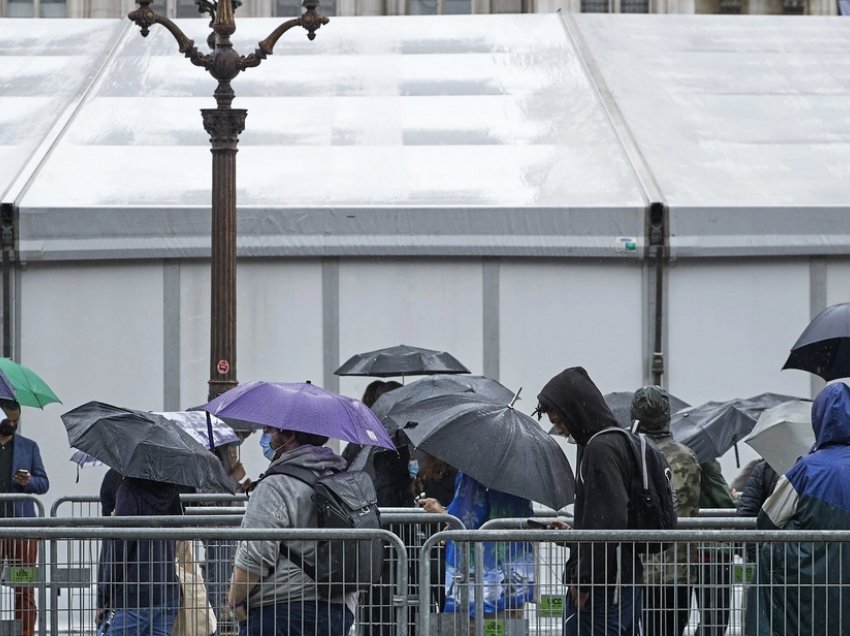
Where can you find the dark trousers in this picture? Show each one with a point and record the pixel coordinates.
(715, 583)
(22, 552)
(666, 610)
(299, 618)
(603, 617)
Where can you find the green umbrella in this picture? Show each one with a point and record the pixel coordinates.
(30, 390)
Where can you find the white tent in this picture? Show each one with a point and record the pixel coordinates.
(485, 185)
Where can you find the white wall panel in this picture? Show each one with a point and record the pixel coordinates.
(837, 281)
(278, 323)
(558, 315)
(93, 332)
(435, 305)
(731, 326)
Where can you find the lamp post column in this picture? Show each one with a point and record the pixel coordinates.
(224, 124)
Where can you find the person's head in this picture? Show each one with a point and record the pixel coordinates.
(371, 393)
(574, 405)
(276, 441)
(12, 409)
(651, 408)
(8, 427)
(831, 415)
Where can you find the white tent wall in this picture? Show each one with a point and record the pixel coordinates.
(383, 200)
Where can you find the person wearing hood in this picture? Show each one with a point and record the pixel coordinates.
(669, 576)
(604, 579)
(269, 593)
(803, 588)
(138, 583)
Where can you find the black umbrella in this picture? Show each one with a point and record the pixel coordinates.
(143, 445)
(714, 427)
(401, 361)
(404, 399)
(620, 403)
(496, 445)
(824, 346)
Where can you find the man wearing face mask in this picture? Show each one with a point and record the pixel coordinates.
(604, 579)
(270, 594)
(21, 472)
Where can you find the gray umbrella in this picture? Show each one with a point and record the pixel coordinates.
(401, 361)
(824, 346)
(404, 399)
(496, 445)
(143, 445)
(714, 427)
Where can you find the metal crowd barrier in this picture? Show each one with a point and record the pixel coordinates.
(21, 574)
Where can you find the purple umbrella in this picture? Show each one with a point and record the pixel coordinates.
(304, 407)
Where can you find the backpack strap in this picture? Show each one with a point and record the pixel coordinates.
(637, 455)
(308, 477)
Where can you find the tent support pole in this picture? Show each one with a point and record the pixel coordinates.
(7, 247)
(657, 254)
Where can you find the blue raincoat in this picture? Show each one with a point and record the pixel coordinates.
(508, 566)
(805, 588)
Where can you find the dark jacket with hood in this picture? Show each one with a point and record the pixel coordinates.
(803, 585)
(140, 574)
(604, 471)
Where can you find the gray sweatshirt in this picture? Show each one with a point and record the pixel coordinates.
(280, 501)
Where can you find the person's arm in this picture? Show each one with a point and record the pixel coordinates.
(751, 499)
(714, 491)
(606, 474)
(241, 584)
(780, 507)
(34, 479)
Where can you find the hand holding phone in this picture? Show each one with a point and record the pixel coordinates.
(22, 476)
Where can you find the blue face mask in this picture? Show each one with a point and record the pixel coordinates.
(266, 445)
(413, 468)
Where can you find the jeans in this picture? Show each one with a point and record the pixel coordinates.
(148, 622)
(600, 617)
(298, 618)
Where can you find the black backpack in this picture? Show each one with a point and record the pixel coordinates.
(652, 500)
(343, 500)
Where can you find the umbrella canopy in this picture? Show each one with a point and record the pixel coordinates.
(304, 407)
(143, 445)
(497, 445)
(620, 403)
(193, 422)
(824, 346)
(404, 399)
(783, 433)
(713, 428)
(30, 390)
(7, 389)
(401, 361)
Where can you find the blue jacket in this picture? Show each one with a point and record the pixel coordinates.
(800, 589)
(26, 456)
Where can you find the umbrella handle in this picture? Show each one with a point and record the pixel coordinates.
(210, 431)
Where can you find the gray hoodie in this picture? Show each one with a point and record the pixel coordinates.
(280, 501)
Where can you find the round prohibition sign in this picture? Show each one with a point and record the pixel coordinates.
(223, 366)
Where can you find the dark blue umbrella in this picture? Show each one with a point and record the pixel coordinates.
(824, 346)
(300, 406)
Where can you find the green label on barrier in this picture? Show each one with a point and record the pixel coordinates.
(743, 572)
(550, 605)
(494, 628)
(20, 575)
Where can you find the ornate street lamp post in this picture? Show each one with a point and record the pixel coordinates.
(224, 124)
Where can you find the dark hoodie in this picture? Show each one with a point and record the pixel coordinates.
(604, 471)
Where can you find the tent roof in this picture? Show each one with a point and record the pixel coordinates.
(475, 135)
